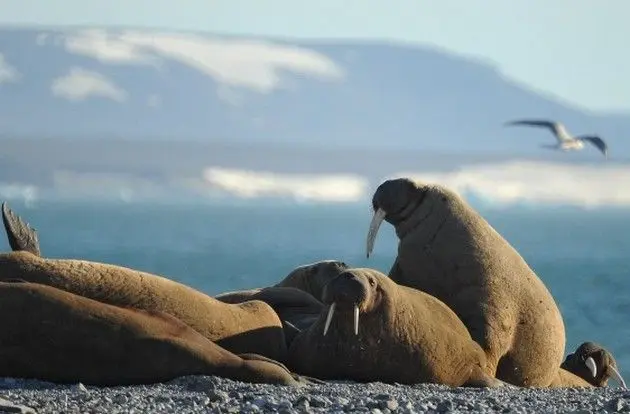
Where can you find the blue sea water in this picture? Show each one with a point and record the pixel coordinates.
(581, 255)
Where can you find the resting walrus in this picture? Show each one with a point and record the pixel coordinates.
(593, 363)
(449, 251)
(296, 308)
(313, 277)
(296, 298)
(53, 335)
(377, 330)
(249, 327)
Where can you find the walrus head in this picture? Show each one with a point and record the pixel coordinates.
(594, 364)
(353, 290)
(394, 201)
(313, 277)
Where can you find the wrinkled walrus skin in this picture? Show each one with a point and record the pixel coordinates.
(249, 327)
(53, 335)
(448, 250)
(377, 330)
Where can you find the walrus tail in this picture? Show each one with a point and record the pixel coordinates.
(22, 237)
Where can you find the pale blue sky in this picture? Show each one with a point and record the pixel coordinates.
(575, 49)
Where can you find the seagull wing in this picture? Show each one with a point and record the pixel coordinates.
(557, 128)
(596, 141)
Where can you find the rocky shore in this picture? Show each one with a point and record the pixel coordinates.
(197, 394)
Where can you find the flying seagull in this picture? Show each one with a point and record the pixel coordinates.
(566, 142)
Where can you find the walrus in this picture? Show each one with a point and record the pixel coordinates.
(297, 297)
(54, 335)
(377, 330)
(594, 364)
(248, 327)
(296, 308)
(448, 250)
(313, 277)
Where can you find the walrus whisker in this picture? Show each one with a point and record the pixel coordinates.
(375, 224)
(617, 376)
(331, 311)
(590, 364)
(356, 320)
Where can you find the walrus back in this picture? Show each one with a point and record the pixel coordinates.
(458, 257)
(80, 339)
(247, 327)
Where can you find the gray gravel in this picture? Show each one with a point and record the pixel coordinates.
(200, 394)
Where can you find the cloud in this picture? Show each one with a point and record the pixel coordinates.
(108, 48)
(8, 73)
(541, 183)
(80, 84)
(253, 64)
(302, 187)
(15, 191)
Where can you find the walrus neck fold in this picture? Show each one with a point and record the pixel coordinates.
(403, 214)
(414, 216)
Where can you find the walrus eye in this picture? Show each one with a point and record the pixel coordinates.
(371, 282)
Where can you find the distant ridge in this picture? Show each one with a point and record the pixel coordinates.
(145, 84)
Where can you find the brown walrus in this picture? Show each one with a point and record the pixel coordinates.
(296, 308)
(594, 364)
(53, 335)
(297, 297)
(377, 330)
(249, 327)
(448, 250)
(313, 277)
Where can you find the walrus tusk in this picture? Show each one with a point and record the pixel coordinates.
(331, 311)
(617, 376)
(356, 320)
(590, 364)
(375, 224)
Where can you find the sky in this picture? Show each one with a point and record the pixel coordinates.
(575, 50)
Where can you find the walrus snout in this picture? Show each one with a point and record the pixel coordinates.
(346, 291)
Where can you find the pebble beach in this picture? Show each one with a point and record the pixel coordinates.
(203, 394)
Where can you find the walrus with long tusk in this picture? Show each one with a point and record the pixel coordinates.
(53, 335)
(377, 330)
(249, 327)
(448, 250)
(594, 364)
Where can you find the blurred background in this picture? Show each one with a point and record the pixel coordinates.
(223, 143)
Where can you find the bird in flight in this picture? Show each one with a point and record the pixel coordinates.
(566, 142)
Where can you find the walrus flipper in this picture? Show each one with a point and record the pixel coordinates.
(22, 237)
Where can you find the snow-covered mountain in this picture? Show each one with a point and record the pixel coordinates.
(88, 83)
